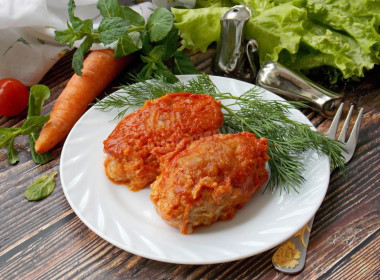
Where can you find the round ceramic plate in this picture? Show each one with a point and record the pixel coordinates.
(129, 221)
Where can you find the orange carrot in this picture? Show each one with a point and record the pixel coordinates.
(99, 69)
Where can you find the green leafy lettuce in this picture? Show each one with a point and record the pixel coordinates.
(303, 34)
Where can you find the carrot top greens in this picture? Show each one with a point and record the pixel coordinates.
(287, 139)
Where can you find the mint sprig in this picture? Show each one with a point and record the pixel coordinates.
(125, 30)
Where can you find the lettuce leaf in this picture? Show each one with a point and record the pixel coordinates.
(303, 34)
(349, 17)
(198, 27)
(272, 35)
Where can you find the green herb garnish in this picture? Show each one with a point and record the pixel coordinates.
(41, 187)
(124, 30)
(287, 139)
(32, 125)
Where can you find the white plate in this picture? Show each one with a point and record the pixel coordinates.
(128, 220)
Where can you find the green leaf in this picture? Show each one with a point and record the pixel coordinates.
(128, 44)
(71, 7)
(78, 56)
(109, 8)
(39, 158)
(157, 53)
(132, 17)
(159, 24)
(41, 188)
(77, 31)
(111, 29)
(87, 26)
(146, 44)
(164, 72)
(170, 43)
(147, 71)
(76, 22)
(182, 64)
(37, 96)
(65, 36)
(12, 153)
(6, 134)
(33, 124)
(199, 27)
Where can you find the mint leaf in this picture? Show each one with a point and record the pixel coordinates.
(170, 43)
(33, 124)
(109, 8)
(65, 36)
(159, 24)
(132, 17)
(164, 72)
(128, 44)
(12, 153)
(182, 64)
(78, 56)
(147, 71)
(87, 26)
(76, 31)
(71, 7)
(110, 29)
(157, 53)
(37, 96)
(146, 44)
(76, 22)
(41, 188)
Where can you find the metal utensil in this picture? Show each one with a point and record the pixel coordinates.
(234, 56)
(298, 243)
(279, 79)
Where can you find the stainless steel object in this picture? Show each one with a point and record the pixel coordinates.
(235, 56)
(301, 239)
(281, 80)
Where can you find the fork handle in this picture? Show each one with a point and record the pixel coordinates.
(290, 257)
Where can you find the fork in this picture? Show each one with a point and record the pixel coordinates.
(290, 257)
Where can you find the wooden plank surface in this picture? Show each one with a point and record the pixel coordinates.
(46, 240)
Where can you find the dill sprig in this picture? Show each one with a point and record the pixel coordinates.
(287, 139)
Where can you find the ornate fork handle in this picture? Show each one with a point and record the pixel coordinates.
(290, 257)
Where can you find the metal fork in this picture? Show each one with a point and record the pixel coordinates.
(290, 257)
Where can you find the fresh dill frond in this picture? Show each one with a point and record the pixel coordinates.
(287, 139)
(135, 95)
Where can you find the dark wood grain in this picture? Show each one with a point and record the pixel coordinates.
(46, 240)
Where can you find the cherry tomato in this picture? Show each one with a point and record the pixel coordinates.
(14, 97)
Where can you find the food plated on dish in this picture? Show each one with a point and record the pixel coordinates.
(196, 176)
(129, 220)
(209, 180)
(160, 126)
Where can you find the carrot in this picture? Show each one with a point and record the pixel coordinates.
(99, 69)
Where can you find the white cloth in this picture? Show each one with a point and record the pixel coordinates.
(27, 46)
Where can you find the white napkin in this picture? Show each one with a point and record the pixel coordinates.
(27, 46)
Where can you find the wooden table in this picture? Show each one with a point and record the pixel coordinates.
(46, 239)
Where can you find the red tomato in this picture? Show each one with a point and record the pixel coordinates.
(14, 97)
